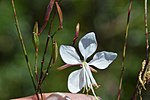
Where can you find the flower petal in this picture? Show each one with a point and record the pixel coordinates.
(88, 45)
(76, 81)
(101, 60)
(69, 55)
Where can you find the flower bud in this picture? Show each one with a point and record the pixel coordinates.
(60, 15)
(54, 52)
(35, 35)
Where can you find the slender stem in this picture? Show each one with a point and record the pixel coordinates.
(23, 46)
(50, 61)
(43, 59)
(36, 63)
(146, 31)
(147, 39)
(49, 65)
(36, 71)
(43, 75)
(124, 50)
(44, 54)
(46, 46)
(147, 52)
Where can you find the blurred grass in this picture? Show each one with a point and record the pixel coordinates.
(106, 18)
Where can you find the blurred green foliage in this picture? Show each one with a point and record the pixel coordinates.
(107, 18)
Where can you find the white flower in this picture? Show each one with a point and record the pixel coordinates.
(83, 77)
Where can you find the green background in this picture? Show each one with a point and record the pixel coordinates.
(107, 18)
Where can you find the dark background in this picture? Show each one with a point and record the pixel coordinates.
(107, 18)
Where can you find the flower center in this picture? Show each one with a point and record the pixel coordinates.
(84, 64)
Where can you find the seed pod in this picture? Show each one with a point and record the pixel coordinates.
(54, 52)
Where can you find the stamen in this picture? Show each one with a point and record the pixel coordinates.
(63, 67)
(93, 70)
(83, 90)
(96, 85)
(94, 93)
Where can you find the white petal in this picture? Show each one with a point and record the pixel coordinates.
(88, 45)
(69, 55)
(102, 59)
(76, 81)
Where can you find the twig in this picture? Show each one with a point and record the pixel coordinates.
(23, 47)
(124, 51)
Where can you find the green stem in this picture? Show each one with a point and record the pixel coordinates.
(36, 64)
(49, 65)
(146, 32)
(46, 46)
(43, 75)
(36, 72)
(40, 81)
(23, 46)
(124, 51)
